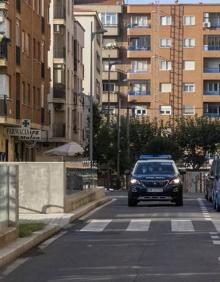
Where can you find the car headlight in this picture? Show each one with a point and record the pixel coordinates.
(135, 181)
(175, 181)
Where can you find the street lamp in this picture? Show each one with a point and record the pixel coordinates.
(110, 64)
(93, 34)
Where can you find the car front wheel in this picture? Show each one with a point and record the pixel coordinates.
(179, 200)
(132, 202)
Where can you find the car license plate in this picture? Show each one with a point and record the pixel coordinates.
(156, 190)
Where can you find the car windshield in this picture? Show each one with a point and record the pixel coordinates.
(155, 168)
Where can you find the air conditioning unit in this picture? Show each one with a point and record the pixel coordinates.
(59, 107)
(206, 24)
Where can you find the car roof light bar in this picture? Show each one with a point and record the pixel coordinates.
(155, 156)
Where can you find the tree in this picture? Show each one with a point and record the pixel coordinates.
(164, 145)
(197, 137)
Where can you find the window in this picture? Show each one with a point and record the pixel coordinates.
(166, 20)
(106, 66)
(165, 110)
(189, 65)
(109, 43)
(140, 43)
(188, 110)
(23, 92)
(139, 66)
(139, 111)
(138, 88)
(59, 74)
(189, 20)
(165, 42)
(110, 86)
(165, 65)
(189, 87)
(165, 87)
(109, 19)
(189, 42)
(139, 21)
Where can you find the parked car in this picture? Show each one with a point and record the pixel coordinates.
(212, 188)
(155, 177)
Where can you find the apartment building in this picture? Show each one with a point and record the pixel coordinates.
(80, 112)
(61, 62)
(24, 77)
(92, 52)
(110, 14)
(172, 58)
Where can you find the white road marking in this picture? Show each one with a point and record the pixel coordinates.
(96, 225)
(51, 240)
(139, 225)
(215, 237)
(216, 224)
(213, 233)
(182, 226)
(215, 242)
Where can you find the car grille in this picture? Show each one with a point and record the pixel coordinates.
(157, 183)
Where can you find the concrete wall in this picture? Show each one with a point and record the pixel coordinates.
(42, 187)
(8, 203)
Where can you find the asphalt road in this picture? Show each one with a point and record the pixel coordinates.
(151, 242)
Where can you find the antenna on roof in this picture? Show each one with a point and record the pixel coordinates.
(176, 1)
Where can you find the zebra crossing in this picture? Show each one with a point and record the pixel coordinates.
(146, 225)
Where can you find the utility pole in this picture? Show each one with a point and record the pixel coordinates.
(118, 138)
(109, 69)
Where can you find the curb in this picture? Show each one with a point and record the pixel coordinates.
(22, 245)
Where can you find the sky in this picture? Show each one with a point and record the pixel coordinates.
(172, 1)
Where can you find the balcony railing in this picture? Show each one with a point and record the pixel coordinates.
(141, 48)
(59, 130)
(212, 70)
(212, 93)
(136, 25)
(3, 107)
(214, 115)
(137, 71)
(59, 91)
(211, 48)
(3, 51)
(138, 93)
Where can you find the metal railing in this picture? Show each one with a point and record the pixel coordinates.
(139, 25)
(211, 48)
(212, 93)
(139, 93)
(212, 70)
(214, 115)
(141, 48)
(137, 71)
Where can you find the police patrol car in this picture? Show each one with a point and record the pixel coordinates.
(155, 177)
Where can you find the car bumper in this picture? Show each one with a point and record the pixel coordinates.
(147, 194)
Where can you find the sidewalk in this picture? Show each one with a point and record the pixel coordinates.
(54, 223)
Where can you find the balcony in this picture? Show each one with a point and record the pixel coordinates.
(134, 74)
(141, 52)
(59, 91)
(212, 110)
(3, 54)
(113, 75)
(60, 9)
(3, 107)
(139, 28)
(138, 93)
(112, 30)
(59, 130)
(211, 70)
(113, 97)
(211, 48)
(211, 20)
(113, 53)
(4, 5)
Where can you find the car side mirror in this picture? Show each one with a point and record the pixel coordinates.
(127, 172)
